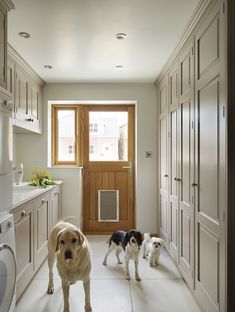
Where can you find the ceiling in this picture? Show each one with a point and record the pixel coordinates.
(78, 37)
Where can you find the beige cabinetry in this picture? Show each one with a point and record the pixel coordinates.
(3, 45)
(41, 228)
(5, 6)
(192, 157)
(55, 206)
(24, 220)
(32, 227)
(26, 87)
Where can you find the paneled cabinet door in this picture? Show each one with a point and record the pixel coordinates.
(23, 221)
(11, 76)
(34, 103)
(3, 45)
(210, 162)
(41, 228)
(173, 163)
(186, 164)
(163, 166)
(21, 95)
(54, 206)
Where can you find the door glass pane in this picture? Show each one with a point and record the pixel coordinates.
(66, 135)
(108, 136)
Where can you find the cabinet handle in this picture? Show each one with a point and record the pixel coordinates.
(23, 213)
(56, 193)
(179, 180)
(175, 179)
(166, 175)
(29, 119)
(43, 201)
(194, 184)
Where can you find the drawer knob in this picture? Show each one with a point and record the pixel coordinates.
(43, 201)
(23, 213)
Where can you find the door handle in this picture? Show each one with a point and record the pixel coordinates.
(194, 184)
(128, 167)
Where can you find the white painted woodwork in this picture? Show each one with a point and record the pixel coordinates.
(173, 216)
(3, 40)
(163, 161)
(41, 228)
(186, 163)
(210, 161)
(55, 202)
(23, 221)
(197, 159)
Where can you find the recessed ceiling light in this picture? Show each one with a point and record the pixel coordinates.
(48, 66)
(24, 35)
(119, 67)
(121, 36)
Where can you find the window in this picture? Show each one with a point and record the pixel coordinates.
(65, 135)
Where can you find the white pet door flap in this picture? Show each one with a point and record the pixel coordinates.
(7, 277)
(108, 205)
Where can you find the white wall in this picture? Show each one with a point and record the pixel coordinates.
(31, 149)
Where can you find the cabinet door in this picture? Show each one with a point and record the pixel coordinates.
(54, 206)
(3, 45)
(34, 103)
(210, 162)
(41, 228)
(163, 165)
(186, 164)
(173, 215)
(23, 220)
(21, 95)
(11, 77)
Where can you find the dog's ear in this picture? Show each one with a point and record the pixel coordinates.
(80, 236)
(126, 239)
(57, 240)
(139, 238)
(162, 243)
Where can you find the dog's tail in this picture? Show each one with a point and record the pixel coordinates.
(73, 220)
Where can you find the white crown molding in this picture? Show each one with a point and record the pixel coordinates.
(23, 64)
(7, 4)
(198, 13)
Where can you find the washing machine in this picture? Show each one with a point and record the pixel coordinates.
(7, 263)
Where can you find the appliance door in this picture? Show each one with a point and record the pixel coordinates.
(7, 277)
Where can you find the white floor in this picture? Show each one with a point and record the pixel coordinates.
(162, 289)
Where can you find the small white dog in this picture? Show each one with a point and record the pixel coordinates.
(152, 247)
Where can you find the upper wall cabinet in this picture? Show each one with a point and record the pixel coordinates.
(26, 87)
(5, 6)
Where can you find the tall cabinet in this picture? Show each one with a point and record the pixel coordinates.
(192, 157)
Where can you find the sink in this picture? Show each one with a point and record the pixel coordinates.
(23, 188)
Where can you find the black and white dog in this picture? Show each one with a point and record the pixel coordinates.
(130, 242)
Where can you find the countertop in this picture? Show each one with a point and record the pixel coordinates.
(25, 192)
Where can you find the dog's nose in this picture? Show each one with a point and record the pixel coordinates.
(68, 254)
(133, 240)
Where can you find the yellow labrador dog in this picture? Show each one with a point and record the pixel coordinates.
(73, 253)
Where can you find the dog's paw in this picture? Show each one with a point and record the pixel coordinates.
(138, 279)
(88, 309)
(128, 278)
(120, 262)
(104, 263)
(50, 290)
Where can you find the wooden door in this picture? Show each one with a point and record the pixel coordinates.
(109, 168)
(173, 216)
(186, 160)
(210, 183)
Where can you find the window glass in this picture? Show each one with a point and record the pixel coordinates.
(66, 135)
(108, 136)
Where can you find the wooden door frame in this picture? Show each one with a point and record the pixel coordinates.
(130, 108)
